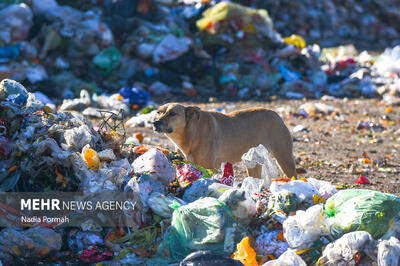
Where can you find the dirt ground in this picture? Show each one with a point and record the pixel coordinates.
(331, 147)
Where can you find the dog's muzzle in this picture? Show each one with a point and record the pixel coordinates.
(158, 127)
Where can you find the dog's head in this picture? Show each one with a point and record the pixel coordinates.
(172, 117)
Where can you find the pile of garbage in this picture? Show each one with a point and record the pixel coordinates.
(185, 49)
(183, 213)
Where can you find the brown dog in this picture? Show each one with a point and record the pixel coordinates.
(209, 138)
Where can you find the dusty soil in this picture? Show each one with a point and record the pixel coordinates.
(331, 147)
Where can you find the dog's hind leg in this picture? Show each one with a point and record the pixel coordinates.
(255, 172)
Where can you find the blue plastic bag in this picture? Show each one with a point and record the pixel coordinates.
(135, 96)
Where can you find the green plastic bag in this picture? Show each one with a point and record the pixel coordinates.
(205, 224)
(107, 60)
(362, 210)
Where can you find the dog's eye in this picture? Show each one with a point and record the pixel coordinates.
(171, 114)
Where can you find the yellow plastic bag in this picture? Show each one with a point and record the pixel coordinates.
(91, 157)
(295, 40)
(245, 253)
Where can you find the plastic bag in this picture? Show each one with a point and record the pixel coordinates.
(304, 228)
(206, 258)
(198, 189)
(243, 207)
(268, 243)
(344, 250)
(252, 185)
(161, 204)
(108, 60)
(389, 252)
(260, 156)
(205, 224)
(256, 22)
(245, 253)
(288, 258)
(156, 164)
(325, 188)
(142, 188)
(295, 40)
(304, 190)
(362, 209)
(215, 190)
(135, 96)
(170, 48)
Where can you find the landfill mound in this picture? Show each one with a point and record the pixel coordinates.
(183, 213)
(194, 50)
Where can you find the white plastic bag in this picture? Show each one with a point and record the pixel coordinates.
(325, 188)
(241, 204)
(252, 185)
(289, 258)
(156, 164)
(343, 251)
(389, 252)
(304, 190)
(304, 228)
(260, 156)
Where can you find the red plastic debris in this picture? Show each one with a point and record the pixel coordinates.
(363, 180)
(92, 255)
(187, 174)
(227, 177)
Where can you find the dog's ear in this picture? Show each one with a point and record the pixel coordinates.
(192, 112)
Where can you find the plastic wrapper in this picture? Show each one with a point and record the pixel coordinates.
(288, 258)
(205, 224)
(295, 40)
(260, 156)
(156, 164)
(161, 204)
(346, 250)
(188, 172)
(35, 242)
(91, 157)
(362, 209)
(245, 253)
(205, 258)
(268, 243)
(389, 252)
(304, 228)
(243, 207)
(198, 189)
(304, 190)
(227, 174)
